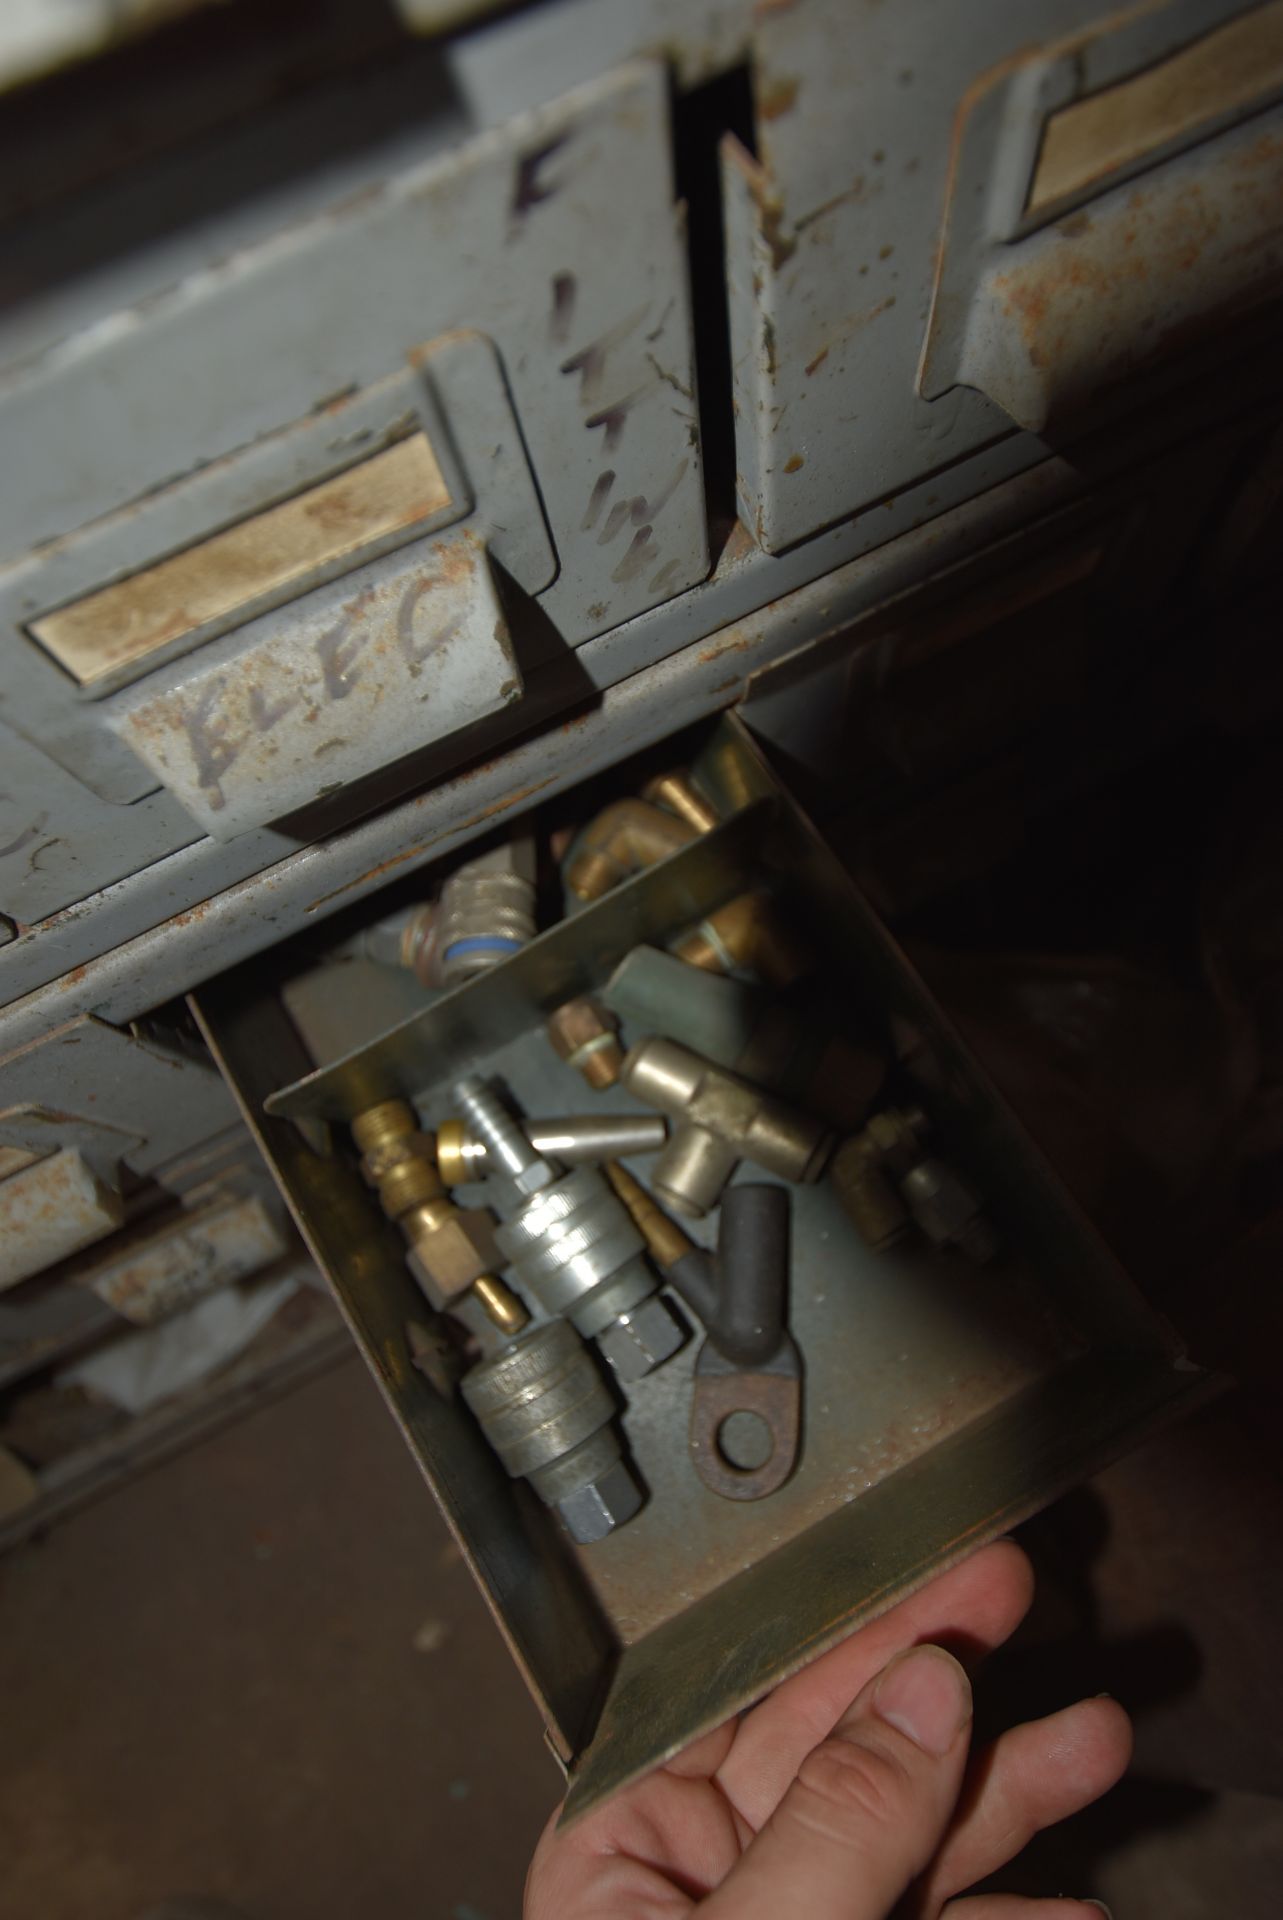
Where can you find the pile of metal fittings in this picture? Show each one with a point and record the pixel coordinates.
(575, 1280)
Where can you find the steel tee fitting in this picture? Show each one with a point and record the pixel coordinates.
(720, 1120)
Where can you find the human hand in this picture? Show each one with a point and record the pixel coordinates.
(850, 1787)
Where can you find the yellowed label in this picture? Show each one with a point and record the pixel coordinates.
(1232, 67)
(246, 566)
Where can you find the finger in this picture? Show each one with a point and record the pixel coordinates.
(869, 1804)
(1029, 1779)
(1013, 1906)
(972, 1608)
(704, 1756)
(582, 1876)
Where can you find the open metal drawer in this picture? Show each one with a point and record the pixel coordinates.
(943, 1402)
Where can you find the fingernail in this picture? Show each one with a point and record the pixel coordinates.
(1098, 1903)
(926, 1696)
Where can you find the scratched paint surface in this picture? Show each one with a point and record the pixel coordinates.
(835, 250)
(1102, 293)
(50, 1210)
(253, 732)
(557, 236)
(222, 1243)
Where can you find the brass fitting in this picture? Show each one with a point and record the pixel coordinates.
(587, 1038)
(898, 1135)
(686, 1267)
(459, 1157)
(867, 1197)
(746, 935)
(452, 1249)
(665, 1241)
(939, 1200)
(675, 791)
(396, 1157)
(501, 1304)
(388, 1125)
(721, 1120)
(626, 836)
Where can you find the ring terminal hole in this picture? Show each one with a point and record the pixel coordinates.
(745, 1441)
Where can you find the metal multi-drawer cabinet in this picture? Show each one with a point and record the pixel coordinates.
(397, 446)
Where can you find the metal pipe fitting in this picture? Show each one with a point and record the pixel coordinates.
(694, 1169)
(626, 836)
(508, 1151)
(577, 1139)
(540, 1400)
(452, 1250)
(393, 942)
(577, 1251)
(586, 1037)
(687, 1268)
(940, 1201)
(747, 935)
(801, 1054)
(573, 1247)
(891, 1142)
(721, 1120)
(947, 1211)
(486, 911)
(898, 1136)
(676, 791)
(545, 1409)
(865, 1195)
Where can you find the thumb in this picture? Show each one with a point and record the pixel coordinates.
(869, 1806)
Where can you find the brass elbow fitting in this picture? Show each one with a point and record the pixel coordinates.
(452, 1250)
(626, 836)
(720, 1120)
(938, 1199)
(867, 1197)
(746, 935)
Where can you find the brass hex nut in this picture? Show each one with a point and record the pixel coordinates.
(587, 1038)
(447, 1257)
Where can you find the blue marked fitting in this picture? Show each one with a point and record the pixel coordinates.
(481, 943)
